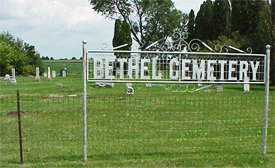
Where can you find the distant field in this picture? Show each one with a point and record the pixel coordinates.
(73, 66)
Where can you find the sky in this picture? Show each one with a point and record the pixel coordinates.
(57, 27)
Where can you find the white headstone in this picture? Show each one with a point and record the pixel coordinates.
(219, 88)
(148, 84)
(7, 77)
(49, 73)
(37, 77)
(206, 90)
(129, 84)
(64, 73)
(53, 73)
(45, 74)
(13, 80)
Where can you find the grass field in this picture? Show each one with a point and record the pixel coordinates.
(73, 66)
(152, 128)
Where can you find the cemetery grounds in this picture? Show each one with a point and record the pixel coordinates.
(155, 127)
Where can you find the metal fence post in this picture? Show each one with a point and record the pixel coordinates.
(84, 107)
(266, 99)
(20, 129)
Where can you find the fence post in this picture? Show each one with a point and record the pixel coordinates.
(266, 99)
(20, 129)
(84, 107)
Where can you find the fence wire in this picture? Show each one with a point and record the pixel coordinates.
(52, 125)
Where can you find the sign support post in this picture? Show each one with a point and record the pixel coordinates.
(266, 99)
(84, 107)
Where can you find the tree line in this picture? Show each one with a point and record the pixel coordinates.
(15, 53)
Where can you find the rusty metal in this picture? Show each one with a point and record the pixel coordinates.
(20, 129)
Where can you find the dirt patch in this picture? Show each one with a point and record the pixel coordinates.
(91, 97)
(121, 98)
(11, 113)
(52, 96)
(1, 96)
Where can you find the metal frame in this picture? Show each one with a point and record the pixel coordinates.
(86, 79)
(185, 54)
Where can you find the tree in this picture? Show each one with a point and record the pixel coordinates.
(250, 19)
(73, 58)
(204, 21)
(149, 21)
(220, 19)
(10, 58)
(33, 59)
(272, 39)
(122, 35)
(14, 53)
(191, 25)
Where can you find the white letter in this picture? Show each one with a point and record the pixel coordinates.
(210, 70)
(121, 68)
(185, 69)
(133, 65)
(144, 68)
(198, 73)
(222, 69)
(154, 69)
(243, 70)
(98, 68)
(109, 68)
(174, 62)
(254, 68)
(231, 69)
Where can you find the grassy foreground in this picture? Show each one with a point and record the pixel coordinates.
(152, 128)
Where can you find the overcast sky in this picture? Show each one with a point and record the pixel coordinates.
(57, 27)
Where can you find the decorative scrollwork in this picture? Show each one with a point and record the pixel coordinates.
(196, 44)
(178, 42)
(182, 87)
(227, 48)
(104, 46)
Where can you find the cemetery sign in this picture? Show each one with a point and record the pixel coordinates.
(175, 67)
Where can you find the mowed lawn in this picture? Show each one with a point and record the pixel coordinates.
(155, 127)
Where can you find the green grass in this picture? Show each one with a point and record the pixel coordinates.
(152, 128)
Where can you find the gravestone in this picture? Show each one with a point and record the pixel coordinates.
(129, 90)
(129, 84)
(7, 77)
(45, 74)
(37, 77)
(49, 74)
(148, 85)
(206, 90)
(104, 85)
(58, 86)
(219, 89)
(53, 73)
(13, 80)
(64, 73)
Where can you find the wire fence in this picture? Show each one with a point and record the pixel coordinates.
(52, 125)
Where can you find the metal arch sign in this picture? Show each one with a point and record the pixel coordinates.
(175, 67)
